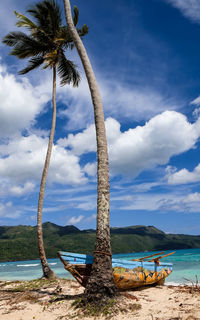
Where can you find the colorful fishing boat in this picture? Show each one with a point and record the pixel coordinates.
(127, 274)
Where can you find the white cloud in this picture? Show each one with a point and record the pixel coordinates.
(88, 205)
(21, 190)
(18, 96)
(189, 8)
(85, 141)
(74, 220)
(161, 202)
(20, 103)
(8, 187)
(90, 218)
(196, 101)
(22, 162)
(196, 112)
(90, 169)
(8, 211)
(164, 136)
(80, 143)
(193, 197)
(183, 176)
(185, 203)
(124, 102)
(142, 148)
(119, 101)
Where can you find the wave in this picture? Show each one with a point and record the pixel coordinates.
(28, 265)
(52, 263)
(174, 284)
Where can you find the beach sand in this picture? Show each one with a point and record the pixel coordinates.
(42, 300)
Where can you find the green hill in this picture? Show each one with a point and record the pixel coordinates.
(20, 242)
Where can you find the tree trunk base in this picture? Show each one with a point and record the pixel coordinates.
(99, 293)
(48, 273)
(100, 287)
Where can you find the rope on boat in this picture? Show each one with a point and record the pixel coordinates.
(103, 252)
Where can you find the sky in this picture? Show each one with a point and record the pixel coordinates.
(145, 55)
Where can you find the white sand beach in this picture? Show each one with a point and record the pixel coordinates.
(53, 301)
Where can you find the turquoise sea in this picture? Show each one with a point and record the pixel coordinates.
(186, 265)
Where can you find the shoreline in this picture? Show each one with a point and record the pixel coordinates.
(52, 300)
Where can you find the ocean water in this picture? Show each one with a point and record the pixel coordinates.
(186, 267)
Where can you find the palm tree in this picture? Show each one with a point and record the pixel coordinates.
(101, 284)
(45, 45)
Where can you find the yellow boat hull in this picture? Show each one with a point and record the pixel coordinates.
(128, 279)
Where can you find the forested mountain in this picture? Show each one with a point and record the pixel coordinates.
(20, 243)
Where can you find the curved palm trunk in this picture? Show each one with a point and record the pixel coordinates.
(47, 272)
(101, 284)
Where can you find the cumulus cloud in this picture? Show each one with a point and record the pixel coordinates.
(20, 103)
(119, 101)
(189, 8)
(21, 190)
(80, 143)
(22, 162)
(8, 187)
(125, 102)
(85, 141)
(142, 148)
(90, 169)
(183, 176)
(75, 220)
(161, 202)
(8, 211)
(153, 144)
(186, 203)
(20, 96)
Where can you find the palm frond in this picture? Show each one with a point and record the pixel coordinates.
(67, 71)
(50, 59)
(54, 14)
(13, 38)
(48, 15)
(22, 40)
(83, 31)
(23, 21)
(25, 46)
(63, 38)
(47, 40)
(33, 64)
(76, 15)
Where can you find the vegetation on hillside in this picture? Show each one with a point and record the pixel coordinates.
(20, 242)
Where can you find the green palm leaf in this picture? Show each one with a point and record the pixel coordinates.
(76, 15)
(24, 46)
(33, 64)
(48, 15)
(47, 40)
(13, 38)
(83, 31)
(23, 21)
(67, 71)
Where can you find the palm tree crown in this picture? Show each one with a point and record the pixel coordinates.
(47, 40)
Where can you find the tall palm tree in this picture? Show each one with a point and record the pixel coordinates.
(45, 45)
(101, 284)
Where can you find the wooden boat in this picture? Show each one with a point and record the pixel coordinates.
(127, 274)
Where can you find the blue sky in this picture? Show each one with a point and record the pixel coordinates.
(146, 59)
